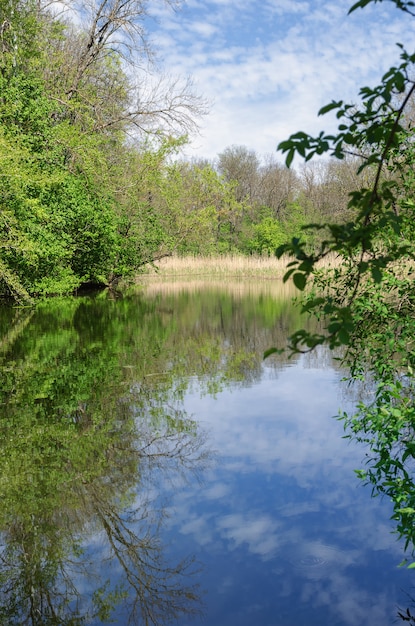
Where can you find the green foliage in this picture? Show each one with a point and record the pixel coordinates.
(195, 196)
(90, 190)
(380, 231)
(76, 194)
(56, 234)
(268, 236)
(366, 299)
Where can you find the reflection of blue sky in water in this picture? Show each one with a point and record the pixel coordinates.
(285, 531)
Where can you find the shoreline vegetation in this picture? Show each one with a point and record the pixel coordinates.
(221, 266)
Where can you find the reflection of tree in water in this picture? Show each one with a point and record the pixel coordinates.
(91, 428)
(406, 616)
(45, 561)
(231, 330)
(77, 473)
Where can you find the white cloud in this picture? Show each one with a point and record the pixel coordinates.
(282, 7)
(269, 67)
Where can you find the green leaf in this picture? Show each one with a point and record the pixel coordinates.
(288, 274)
(290, 157)
(300, 280)
(312, 304)
(360, 4)
(360, 474)
(270, 351)
(408, 452)
(330, 107)
(376, 274)
(344, 336)
(284, 146)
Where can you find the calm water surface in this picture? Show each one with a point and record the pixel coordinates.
(155, 469)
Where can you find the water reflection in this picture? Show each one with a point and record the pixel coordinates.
(80, 454)
(286, 525)
(109, 412)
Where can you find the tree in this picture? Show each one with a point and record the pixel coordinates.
(76, 167)
(277, 187)
(104, 449)
(240, 165)
(113, 36)
(366, 300)
(193, 196)
(268, 236)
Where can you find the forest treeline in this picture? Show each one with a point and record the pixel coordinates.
(92, 186)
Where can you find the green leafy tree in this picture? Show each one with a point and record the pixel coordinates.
(77, 176)
(268, 236)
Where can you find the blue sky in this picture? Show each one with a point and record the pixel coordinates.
(267, 66)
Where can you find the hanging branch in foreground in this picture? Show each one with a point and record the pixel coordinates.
(379, 133)
(365, 300)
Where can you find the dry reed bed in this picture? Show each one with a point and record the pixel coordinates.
(226, 266)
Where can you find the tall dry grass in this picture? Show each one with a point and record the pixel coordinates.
(225, 266)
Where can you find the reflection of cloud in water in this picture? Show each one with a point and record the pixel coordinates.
(200, 527)
(225, 584)
(284, 428)
(351, 603)
(282, 425)
(318, 560)
(283, 505)
(216, 491)
(299, 509)
(258, 531)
